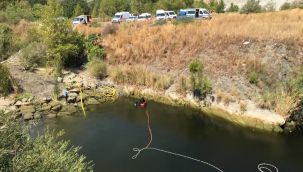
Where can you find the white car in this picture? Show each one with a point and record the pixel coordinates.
(161, 15)
(132, 19)
(170, 14)
(83, 19)
(196, 13)
(144, 17)
(120, 17)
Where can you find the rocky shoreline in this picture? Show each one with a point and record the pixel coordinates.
(29, 108)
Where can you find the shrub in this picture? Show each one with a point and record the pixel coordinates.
(220, 7)
(286, 6)
(47, 152)
(233, 8)
(109, 29)
(18, 11)
(201, 85)
(94, 50)
(97, 68)
(5, 81)
(6, 36)
(253, 77)
(294, 4)
(33, 55)
(251, 6)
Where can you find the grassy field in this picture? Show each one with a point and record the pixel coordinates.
(253, 55)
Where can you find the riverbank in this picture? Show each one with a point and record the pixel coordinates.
(253, 117)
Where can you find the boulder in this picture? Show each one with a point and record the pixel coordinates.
(72, 97)
(75, 90)
(46, 108)
(69, 109)
(27, 109)
(51, 115)
(59, 79)
(57, 108)
(47, 99)
(92, 101)
(28, 116)
(63, 114)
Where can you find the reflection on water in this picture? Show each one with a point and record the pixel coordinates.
(109, 133)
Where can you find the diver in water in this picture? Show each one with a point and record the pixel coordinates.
(141, 103)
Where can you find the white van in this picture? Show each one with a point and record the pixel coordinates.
(171, 14)
(196, 13)
(144, 17)
(161, 15)
(83, 19)
(120, 17)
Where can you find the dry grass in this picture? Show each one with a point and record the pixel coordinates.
(177, 44)
(284, 104)
(87, 30)
(140, 76)
(243, 106)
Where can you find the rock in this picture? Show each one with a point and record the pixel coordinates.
(59, 79)
(57, 108)
(72, 98)
(24, 100)
(47, 99)
(246, 43)
(51, 115)
(20, 103)
(70, 109)
(17, 115)
(290, 126)
(63, 114)
(37, 115)
(46, 108)
(77, 91)
(92, 101)
(28, 116)
(27, 109)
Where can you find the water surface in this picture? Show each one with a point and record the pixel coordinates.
(110, 131)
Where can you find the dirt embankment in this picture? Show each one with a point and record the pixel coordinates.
(248, 58)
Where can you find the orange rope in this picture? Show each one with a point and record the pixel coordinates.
(149, 129)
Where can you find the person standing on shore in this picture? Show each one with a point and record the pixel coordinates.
(65, 94)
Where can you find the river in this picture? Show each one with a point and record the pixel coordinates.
(110, 132)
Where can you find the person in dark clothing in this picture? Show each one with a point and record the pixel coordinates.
(65, 94)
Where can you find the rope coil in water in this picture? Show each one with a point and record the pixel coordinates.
(263, 167)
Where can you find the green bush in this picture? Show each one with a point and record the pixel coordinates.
(5, 81)
(270, 6)
(33, 55)
(201, 85)
(6, 36)
(295, 4)
(97, 68)
(93, 49)
(253, 77)
(233, 8)
(251, 6)
(48, 152)
(18, 11)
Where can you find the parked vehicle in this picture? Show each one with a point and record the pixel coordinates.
(132, 18)
(120, 17)
(196, 13)
(83, 19)
(144, 17)
(161, 15)
(170, 14)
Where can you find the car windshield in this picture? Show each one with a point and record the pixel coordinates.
(117, 16)
(76, 19)
(205, 12)
(160, 14)
(191, 12)
(133, 17)
(171, 13)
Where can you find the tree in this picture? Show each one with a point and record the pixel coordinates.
(251, 6)
(201, 86)
(233, 8)
(6, 36)
(220, 7)
(213, 5)
(65, 47)
(200, 4)
(285, 6)
(78, 10)
(270, 6)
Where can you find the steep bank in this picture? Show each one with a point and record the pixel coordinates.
(249, 59)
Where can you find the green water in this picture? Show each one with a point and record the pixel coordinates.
(110, 131)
